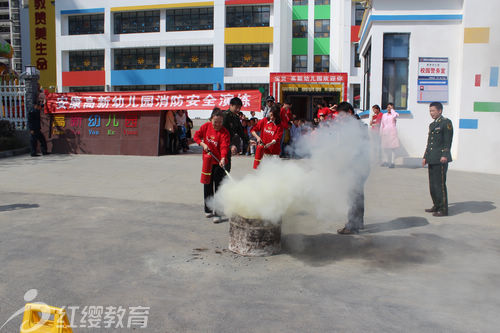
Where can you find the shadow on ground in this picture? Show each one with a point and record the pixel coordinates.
(7, 208)
(387, 252)
(470, 206)
(397, 224)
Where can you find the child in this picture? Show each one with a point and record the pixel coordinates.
(271, 132)
(214, 139)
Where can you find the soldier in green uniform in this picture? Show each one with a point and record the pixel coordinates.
(437, 156)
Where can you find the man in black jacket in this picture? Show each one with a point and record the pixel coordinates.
(35, 131)
(232, 123)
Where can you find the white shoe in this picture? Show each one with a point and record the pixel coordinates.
(209, 215)
(217, 219)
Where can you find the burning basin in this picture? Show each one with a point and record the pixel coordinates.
(254, 237)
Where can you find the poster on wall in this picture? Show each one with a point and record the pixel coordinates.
(432, 80)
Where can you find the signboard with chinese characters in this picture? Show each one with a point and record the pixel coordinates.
(337, 81)
(43, 40)
(432, 80)
(150, 101)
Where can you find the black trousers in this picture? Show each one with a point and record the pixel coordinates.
(437, 186)
(356, 213)
(171, 142)
(209, 190)
(37, 136)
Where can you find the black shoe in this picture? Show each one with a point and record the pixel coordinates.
(439, 213)
(46, 153)
(35, 155)
(431, 210)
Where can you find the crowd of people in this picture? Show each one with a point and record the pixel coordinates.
(177, 131)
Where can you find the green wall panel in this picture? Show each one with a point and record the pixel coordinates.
(322, 12)
(299, 12)
(299, 46)
(486, 107)
(321, 46)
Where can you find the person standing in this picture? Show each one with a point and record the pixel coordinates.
(170, 133)
(214, 139)
(35, 130)
(233, 124)
(389, 135)
(181, 121)
(437, 156)
(271, 131)
(375, 132)
(356, 213)
(268, 105)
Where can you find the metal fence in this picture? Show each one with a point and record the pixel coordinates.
(12, 101)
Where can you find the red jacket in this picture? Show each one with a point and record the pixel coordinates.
(269, 131)
(217, 141)
(324, 111)
(376, 121)
(285, 115)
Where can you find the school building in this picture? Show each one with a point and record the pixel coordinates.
(416, 52)
(130, 45)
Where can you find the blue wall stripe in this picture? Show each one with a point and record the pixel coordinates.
(168, 76)
(468, 123)
(494, 77)
(82, 11)
(406, 18)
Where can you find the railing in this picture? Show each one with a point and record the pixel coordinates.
(13, 108)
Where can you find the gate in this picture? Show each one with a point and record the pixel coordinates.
(12, 102)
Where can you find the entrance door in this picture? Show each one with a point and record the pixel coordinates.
(300, 106)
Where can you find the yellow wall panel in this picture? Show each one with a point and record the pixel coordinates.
(254, 35)
(477, 35)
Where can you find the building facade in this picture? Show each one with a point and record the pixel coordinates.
(10, 31)
(416, 52)
(233, 44)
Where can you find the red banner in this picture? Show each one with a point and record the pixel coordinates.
(150, 101)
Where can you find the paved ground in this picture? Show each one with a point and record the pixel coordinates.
(129, 231)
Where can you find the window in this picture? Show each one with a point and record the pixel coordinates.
(300, 2)
(190, 19)
(86, 24)
(247, 16)
(356, 96)
(299, 28)
(366, 78)
(190, 57)
(357, 61)
(299, 63)
(321, 28)
(86, 89)
(321, 2)
(137, 22)
(359, 11)
(395, 71)
(137, 88)
(321, 63)
(247, 56)
(86, 60)
(144, 58)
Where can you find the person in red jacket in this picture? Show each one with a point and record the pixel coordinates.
(214, 139)
(271, 131)
(286, 118)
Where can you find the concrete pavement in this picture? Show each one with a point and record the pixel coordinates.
(127, 231)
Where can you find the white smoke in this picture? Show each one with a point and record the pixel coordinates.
(336, 157)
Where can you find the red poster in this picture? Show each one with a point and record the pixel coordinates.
(150, 101)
